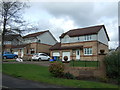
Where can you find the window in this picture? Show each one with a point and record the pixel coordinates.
(32, 51)
(77, 52)
(39, 41)
(78, 38)
(43, 54)
(7, 42)
(87, 51)
(87, 37)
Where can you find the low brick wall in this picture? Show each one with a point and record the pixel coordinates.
(87, 71)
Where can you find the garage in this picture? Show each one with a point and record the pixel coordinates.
(66, 54)
(56, 54)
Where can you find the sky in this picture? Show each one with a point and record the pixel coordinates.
(59, 17)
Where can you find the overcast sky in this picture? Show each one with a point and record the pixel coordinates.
(59, 17)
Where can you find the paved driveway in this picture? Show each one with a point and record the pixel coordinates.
(11, 82)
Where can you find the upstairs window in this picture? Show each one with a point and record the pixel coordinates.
(87, 37)
(39, 41)
(87, 51)
(7, 42)
(78, 38)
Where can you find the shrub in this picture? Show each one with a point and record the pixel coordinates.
(69, 76)
(112, 62)
(56, 69)
(103, 79)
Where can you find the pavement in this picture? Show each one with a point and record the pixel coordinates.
(13, 83)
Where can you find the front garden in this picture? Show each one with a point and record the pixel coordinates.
(42, 74)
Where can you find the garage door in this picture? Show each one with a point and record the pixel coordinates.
(16, 53)
(56, 54)
(66, 54)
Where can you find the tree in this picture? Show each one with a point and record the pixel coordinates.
(11, 13)
(112, 62)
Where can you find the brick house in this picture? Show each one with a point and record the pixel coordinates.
(82, 44)
(27, 45)
(12, 40)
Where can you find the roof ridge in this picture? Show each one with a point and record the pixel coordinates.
(88, 30)
(36, 33)
(86, 27)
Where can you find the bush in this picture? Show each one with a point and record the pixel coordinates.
(69, 76)
(56, 69)
(112, 62)
(103, 79)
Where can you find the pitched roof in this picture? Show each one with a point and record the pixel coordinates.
(84, 31)
(11, 37)
(19, 46)
(57, 46)
(15, 46)
(35, 34)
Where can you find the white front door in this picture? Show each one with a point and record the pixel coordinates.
(78, 54)
(66, 54)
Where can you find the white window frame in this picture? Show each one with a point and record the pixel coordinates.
(87, 51)
(88, 38)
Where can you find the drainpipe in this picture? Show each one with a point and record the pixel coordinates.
(97, 50)
(36, 45)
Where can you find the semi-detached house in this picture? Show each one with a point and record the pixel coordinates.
(30, 44)
(82, 44)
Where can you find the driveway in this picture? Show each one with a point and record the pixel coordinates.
(12, 82)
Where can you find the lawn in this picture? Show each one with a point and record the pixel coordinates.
(84, 63)
(41, 74)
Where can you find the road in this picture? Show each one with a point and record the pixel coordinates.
(12, 82)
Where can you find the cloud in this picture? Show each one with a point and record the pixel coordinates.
(82, 13)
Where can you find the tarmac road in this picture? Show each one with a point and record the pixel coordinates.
(17, 83)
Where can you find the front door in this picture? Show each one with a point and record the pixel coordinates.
(77, 54)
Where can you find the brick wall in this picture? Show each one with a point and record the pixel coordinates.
(82, 72)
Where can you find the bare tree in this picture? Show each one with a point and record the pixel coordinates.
(11, 13)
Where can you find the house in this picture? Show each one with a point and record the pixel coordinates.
(82, 44)
(33, 43)
(11, 40)
(44, 37)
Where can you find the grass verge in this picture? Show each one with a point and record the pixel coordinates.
(41, 74)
